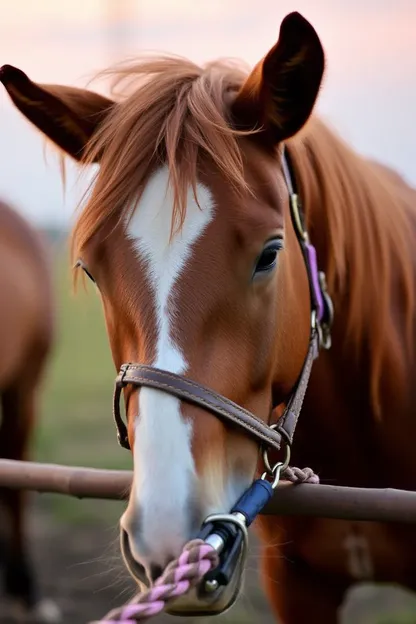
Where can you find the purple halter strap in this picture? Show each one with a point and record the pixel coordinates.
(320, 300)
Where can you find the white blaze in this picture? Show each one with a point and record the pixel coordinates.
(164, 470)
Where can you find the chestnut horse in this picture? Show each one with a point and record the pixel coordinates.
(188, 235)
(26, 336)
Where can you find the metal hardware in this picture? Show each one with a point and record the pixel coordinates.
(229, 536)
(326, 326)
(294, 203)
(216, 540)
(276, 470)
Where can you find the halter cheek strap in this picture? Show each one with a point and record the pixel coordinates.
(195, 393)
(321, 303)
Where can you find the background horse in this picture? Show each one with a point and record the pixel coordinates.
(26, 335)
(187, 234)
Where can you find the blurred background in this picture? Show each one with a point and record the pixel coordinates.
(369, 96)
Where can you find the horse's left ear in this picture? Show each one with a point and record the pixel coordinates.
(279, 94)
(68, 116)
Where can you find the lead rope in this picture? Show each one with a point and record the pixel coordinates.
(182, 574)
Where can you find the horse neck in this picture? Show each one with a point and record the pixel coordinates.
(365, 254)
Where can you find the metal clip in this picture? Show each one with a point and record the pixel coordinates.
(220, 588)
(324, 328)
(230, 538)
(294, 204)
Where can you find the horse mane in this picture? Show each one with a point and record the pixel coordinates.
(361, 209)
(169, 111)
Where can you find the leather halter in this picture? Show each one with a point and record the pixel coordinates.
(269, 436)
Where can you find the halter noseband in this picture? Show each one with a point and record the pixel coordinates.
(269, 436)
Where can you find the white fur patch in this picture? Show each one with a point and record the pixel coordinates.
(164, 470)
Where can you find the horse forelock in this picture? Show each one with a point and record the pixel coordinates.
(170, 112)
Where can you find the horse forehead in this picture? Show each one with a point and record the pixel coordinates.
(149, 229)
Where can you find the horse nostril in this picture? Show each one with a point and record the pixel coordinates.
(155, 571)
(136, 569)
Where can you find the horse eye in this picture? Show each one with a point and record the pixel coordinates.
(82, 266)
(89, 274)
(268, 257)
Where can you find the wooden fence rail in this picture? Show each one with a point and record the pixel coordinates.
(324, 501)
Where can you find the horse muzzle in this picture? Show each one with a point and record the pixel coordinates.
(219, 589)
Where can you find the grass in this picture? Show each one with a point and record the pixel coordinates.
(75, 422)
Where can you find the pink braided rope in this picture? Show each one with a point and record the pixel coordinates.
(196, 559)
(300, 475)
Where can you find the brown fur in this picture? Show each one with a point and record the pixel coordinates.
(175, 110)
(26, 334)
(366, 220)
(248, 340)
(360, 218)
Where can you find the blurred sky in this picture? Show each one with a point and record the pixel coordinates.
(369, 94)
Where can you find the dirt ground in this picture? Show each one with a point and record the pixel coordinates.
(80, 570)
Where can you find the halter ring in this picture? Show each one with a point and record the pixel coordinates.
(276, 470)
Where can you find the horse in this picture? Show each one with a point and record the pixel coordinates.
(26, 338)
(208, 180)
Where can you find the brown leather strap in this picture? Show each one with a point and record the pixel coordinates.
(122, 435)
(193, 392)
(286, 424)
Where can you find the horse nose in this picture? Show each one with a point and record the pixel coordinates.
(146, 554)
(134, 566)
(154, 571)
(143, 569)
(146, 560)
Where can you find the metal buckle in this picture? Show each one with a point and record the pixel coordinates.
(324, 334)
(121, 374)
(294, 203)
(324, 328)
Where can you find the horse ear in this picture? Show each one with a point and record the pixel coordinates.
(279, 94)
(68, 116)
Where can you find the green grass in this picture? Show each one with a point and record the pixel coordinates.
(75, 424)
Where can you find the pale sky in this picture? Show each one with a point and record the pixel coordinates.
(369, 93)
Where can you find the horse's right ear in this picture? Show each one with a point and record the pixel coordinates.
(68, 116)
